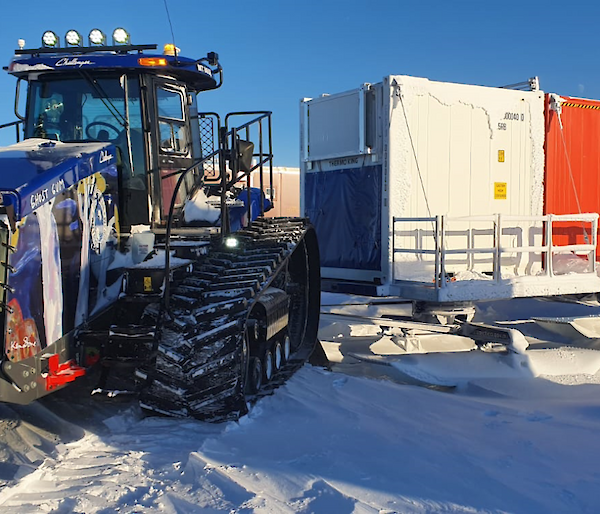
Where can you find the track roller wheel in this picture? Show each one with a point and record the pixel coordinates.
(267, 364)
(286, 348)
(277, 356)
(255, 376)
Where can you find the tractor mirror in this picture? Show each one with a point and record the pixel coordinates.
(18, 102)
(245, 154)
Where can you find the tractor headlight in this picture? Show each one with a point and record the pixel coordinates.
(96, 37)
(73, 38)
(231, 242)
(120, 36)
(50, 39)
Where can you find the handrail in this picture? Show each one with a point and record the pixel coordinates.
(223, 151)
(184, 173)
(229, 133)
(16, 125)
(440, 233)
(263, 157)
(262, 115)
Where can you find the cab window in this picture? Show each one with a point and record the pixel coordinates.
(88, 108)
(171, 121)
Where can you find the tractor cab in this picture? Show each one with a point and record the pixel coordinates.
(141, 101)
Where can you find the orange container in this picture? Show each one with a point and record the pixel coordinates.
(572, 171)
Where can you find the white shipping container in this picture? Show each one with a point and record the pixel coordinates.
(436, 153)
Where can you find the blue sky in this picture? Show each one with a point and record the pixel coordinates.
(275, 52)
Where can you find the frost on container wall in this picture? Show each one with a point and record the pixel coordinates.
(463, 150)
(572, 180)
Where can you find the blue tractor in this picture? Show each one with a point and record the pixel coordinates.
(132, 242)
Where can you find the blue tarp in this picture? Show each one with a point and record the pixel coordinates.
(345, 207)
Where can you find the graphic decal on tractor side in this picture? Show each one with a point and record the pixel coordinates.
(21, 334)
(51, 272)
(62, 253)
(98, 215)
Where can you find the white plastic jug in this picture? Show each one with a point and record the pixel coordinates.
(142, 244)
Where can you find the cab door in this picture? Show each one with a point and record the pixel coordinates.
(171, 147)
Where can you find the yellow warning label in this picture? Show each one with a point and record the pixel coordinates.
(148, 284)
(500, 155)
(500, 190)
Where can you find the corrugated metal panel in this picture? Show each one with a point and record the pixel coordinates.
(572, 174)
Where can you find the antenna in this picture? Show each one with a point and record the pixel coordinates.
(171, 27)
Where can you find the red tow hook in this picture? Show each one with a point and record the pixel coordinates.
(61, 374)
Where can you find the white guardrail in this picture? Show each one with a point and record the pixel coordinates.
(503, 238)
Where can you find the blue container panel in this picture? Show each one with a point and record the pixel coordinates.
(345, 207)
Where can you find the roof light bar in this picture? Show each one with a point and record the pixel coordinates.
(97, 37)
(50, 40)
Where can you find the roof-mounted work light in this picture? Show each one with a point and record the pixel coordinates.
(73, 38)
(120, 37)
(50, 39)
(97, 37)
(212, 58)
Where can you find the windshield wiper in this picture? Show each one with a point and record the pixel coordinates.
(121, 120)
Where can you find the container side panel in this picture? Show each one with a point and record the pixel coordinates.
(479, 187)
(334, 126)
(461, 127)
(438, 149)
(572, 177)
(345, 208)
(518, 157)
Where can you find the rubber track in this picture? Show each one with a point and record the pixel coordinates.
(199, 369)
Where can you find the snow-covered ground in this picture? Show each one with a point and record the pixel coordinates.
(502, 433)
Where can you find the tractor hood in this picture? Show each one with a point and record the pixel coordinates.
(35, 171)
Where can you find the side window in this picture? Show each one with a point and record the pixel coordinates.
(171, 121)
(174, 144)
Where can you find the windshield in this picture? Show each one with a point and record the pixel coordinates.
(87, 108)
